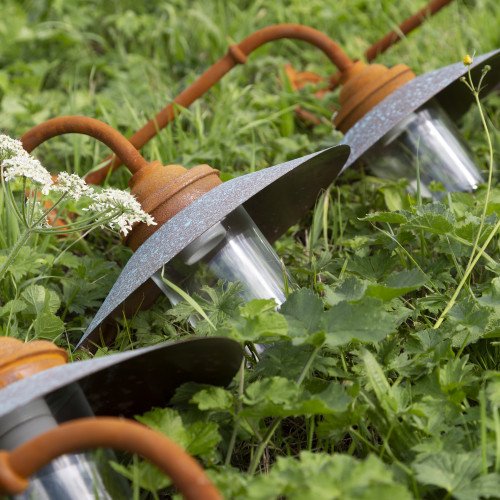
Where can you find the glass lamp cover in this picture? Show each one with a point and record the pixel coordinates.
(233, 250)
(427, 142)
(75, 476)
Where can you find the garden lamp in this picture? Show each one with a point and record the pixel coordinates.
(396, 122)
(40, 394)
(407, 124)
(238, 54)
(206, 230)
(414, 129)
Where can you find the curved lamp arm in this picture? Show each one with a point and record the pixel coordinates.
(101, 131)
(237, 54)
(407, 26)
(87, 433)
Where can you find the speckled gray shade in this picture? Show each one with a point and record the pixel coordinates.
(275, 198)
(131, 382)
(442, 84)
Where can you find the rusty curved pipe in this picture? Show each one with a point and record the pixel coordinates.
(101, 131)
(395, 36)
(18, 465)
(237, 54)
(404, 28)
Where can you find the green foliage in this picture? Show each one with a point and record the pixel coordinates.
(356, 395)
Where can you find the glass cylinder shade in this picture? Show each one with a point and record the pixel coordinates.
(74, 476)
(233, 251)
(427, 145)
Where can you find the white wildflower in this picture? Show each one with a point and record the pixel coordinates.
(24, 165)
(128, 209)
(73, 185)
(10, 147)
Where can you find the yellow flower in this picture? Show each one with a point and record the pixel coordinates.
(467, 60)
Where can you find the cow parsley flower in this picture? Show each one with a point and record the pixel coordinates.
(127, 209)
(10, 147)
(72, 185)
(24, 165)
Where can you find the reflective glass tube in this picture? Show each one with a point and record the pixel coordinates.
(429, 141)
(234, 250)
(75, 476)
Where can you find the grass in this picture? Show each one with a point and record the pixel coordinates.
(359, 395)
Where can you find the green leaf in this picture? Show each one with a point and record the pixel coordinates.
(26, 262)
(40, 299)
(283, 360)
(492, 298)
(12, 307)
(433, 218)
(398, 284)
(305, 307)
(277, 396)
(374, 267)
(166, 421)
(349, 290)
(199, 438)
(258, 322)
(320, 476)
(213, 398)
(303, 311)
(365, 321)
(467, 322)
(378, 383)
(458, 474)
(48, 326)
(389, 217)
(143, 473)
(202, 438)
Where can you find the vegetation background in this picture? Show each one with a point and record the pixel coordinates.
(359, 397)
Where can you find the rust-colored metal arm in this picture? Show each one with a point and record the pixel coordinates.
(101, 131)
(405, 27)
(237, 54)
(187, 475)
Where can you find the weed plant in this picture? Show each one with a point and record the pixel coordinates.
(382, 379)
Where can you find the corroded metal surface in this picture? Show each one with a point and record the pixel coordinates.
(237, 54)
(17, 465)
(88, 126)
(442, 84)
(275, 198)
(364, 86)
(407, 26)
(164, 190)
(131, 382)
(20, 359)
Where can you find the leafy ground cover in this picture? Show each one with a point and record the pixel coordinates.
(365, 391)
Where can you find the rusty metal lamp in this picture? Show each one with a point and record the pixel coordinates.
(238, 54)
(274, 198)
(413, 124)
(47, 409)
(409, 119)
(206, 229)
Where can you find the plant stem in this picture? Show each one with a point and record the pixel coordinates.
(14, 251)
(272, 429)
(232, 440)
(466, 275)
(484, 443)
(490, 166)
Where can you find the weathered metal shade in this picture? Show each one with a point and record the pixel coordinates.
(130, 382)
(443, 84)
(275, 199)
(40, 392)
